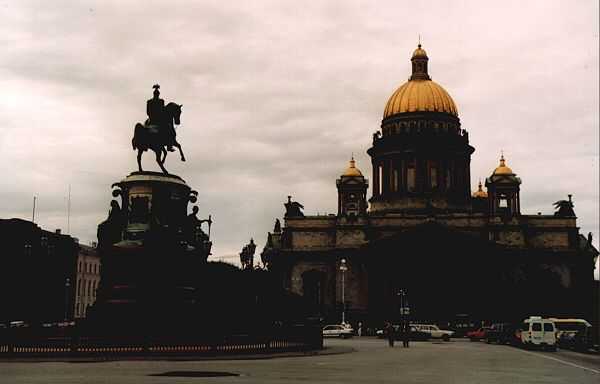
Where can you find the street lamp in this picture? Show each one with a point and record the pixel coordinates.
(403, 310)
(343, 269)
(67, 285)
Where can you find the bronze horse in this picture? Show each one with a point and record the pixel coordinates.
(157, 137)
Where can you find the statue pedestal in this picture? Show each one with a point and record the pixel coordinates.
(149, 267)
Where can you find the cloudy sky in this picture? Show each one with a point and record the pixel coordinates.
(278, 95)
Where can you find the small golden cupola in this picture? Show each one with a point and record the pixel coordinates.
(352, 171)
(480, 193)
(352, 192)
(502, 169)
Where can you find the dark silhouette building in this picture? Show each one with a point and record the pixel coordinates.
(38, 274)
(453, 252)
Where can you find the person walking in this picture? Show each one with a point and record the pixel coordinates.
(389, 333)
(359, 330)
(405, 334)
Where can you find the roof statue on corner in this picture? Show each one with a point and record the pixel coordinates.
(293, 208)
(158, 131)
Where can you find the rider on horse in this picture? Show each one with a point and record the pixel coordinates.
(155, 109)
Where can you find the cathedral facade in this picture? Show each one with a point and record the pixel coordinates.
(425, 236)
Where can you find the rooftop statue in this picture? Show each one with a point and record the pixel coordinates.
(158, 131)
(293, 208)
(564, 207)
(247, 255)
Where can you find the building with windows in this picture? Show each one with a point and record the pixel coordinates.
(88, 278)
(424, 233)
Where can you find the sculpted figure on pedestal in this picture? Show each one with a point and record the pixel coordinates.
(109, 231)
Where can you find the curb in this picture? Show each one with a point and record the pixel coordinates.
(336, 350)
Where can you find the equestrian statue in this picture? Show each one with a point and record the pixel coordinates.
(158, 132)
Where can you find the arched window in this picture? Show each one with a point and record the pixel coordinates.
(380, 178)
(394, 179)
(411, 176)
(433, 174)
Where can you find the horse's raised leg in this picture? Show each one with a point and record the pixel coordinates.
(180, 151)
(139, 159)
(160, 164)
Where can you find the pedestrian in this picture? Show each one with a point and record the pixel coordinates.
(389, 333)
(405, 334)
(359, 330)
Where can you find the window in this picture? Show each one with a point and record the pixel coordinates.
(380, 178)
(536, 327)
(503, 201)
(411, 177)
(548, 327)
(433, 175)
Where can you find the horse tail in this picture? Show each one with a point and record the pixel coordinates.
(137, 134)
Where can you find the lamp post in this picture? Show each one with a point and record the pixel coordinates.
(343, 269)
(402, 294)
(67, 285)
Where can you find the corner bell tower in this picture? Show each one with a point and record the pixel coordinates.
(503, 190)
(421, 157)
(352, 191)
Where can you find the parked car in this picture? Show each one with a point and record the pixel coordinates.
(338, 330)
(435, 331)
(502, 333)
(538, 332)
(478, 334)
(419, 335)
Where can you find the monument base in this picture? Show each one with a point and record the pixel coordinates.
(151, 253)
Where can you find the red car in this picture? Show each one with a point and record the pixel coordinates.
(478, 334)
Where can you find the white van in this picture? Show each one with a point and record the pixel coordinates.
(538, 332)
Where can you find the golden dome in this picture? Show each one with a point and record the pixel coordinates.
(420, 93)
(420, 96)
(502, 169)
(480, 193)
(352, 171)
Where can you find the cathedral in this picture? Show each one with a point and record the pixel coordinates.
(424, 240)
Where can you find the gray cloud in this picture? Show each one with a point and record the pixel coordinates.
(277, 96)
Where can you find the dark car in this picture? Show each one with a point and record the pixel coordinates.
(501, 333)
(415, 334)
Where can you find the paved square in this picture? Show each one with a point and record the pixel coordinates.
(373, 362)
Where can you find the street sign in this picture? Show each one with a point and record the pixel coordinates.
(405, 311)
